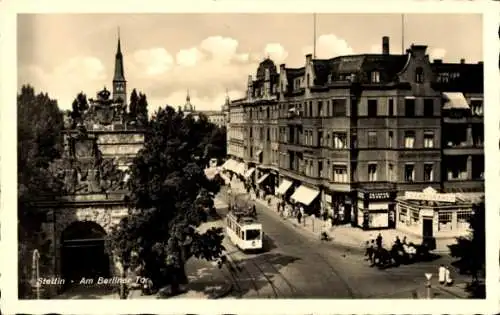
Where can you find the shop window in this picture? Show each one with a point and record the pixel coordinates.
(409, 139)
(415, 215)
(444, 220)
(429, 139)
(409, 173)
(403, 213)
(463, 217)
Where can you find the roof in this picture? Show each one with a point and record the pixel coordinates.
(266, 64)
(387, 65)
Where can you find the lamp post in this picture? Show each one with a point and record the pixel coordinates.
(428, 276)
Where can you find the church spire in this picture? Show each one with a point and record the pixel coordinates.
(119, 73)
(119, 82)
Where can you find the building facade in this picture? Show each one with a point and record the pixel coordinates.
(347, 135)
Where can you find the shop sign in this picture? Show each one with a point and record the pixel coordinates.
(379, 196)
(427, 212)
(437, 197)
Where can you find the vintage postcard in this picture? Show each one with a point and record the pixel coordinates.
(276, 160)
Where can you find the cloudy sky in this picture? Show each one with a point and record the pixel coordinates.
(166, 54)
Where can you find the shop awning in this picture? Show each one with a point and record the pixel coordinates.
(262, 179)
(304, 195)
(283, 187)
(249, 172)
(455, 100)
(470, 197)
(229, 165)
(240, 169)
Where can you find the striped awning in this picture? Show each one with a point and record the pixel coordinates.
(239, 168)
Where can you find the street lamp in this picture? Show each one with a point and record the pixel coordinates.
(428, 276)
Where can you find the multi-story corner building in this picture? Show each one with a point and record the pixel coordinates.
(347, 135)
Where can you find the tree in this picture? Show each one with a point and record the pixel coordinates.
(134, 99)
(471, 250)
(39, 124)
(218, 143)
(142, 110)
(169, 197)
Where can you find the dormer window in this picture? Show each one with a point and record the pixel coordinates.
(375, 78)
(419, 75)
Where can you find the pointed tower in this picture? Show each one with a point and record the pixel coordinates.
(188, 107)
(119, 82)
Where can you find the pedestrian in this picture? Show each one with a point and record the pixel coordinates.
(379, 240)
(367, 250)
(299, 217)
(404, 240)
(372, 251)
(449, 280)
(442, 274)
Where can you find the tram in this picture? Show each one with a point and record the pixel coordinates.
(244, 231)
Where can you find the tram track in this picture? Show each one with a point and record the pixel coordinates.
(293, 289)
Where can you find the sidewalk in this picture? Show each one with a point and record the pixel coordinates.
(346, 234)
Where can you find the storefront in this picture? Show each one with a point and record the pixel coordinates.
(338, 206)
(429, 213)
(375, 210)
(307, 197)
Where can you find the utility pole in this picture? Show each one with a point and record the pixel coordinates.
(402, 34)
(314, 34)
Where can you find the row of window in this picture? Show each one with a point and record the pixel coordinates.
(338, 108)
(408, 173)
(409, 108)
(236, 150)
(237, 133)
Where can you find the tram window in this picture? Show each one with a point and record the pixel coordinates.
(252, 235)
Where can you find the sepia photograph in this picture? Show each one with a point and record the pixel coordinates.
(243, 156)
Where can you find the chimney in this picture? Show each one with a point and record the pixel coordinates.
(385, 45)
(439, 61)
(462, 61)
(282, 67)
(309, 58)
(479, 62)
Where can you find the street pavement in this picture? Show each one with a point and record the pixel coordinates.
(297, 265)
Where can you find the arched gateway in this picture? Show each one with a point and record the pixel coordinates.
(83, 253)
(99, 145)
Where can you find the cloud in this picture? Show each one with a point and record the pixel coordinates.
(189, 57)
(153, 61)
(329, 46)
(437, 53)
(276, 52)
(64, 82)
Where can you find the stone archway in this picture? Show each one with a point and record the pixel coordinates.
(83, 253)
